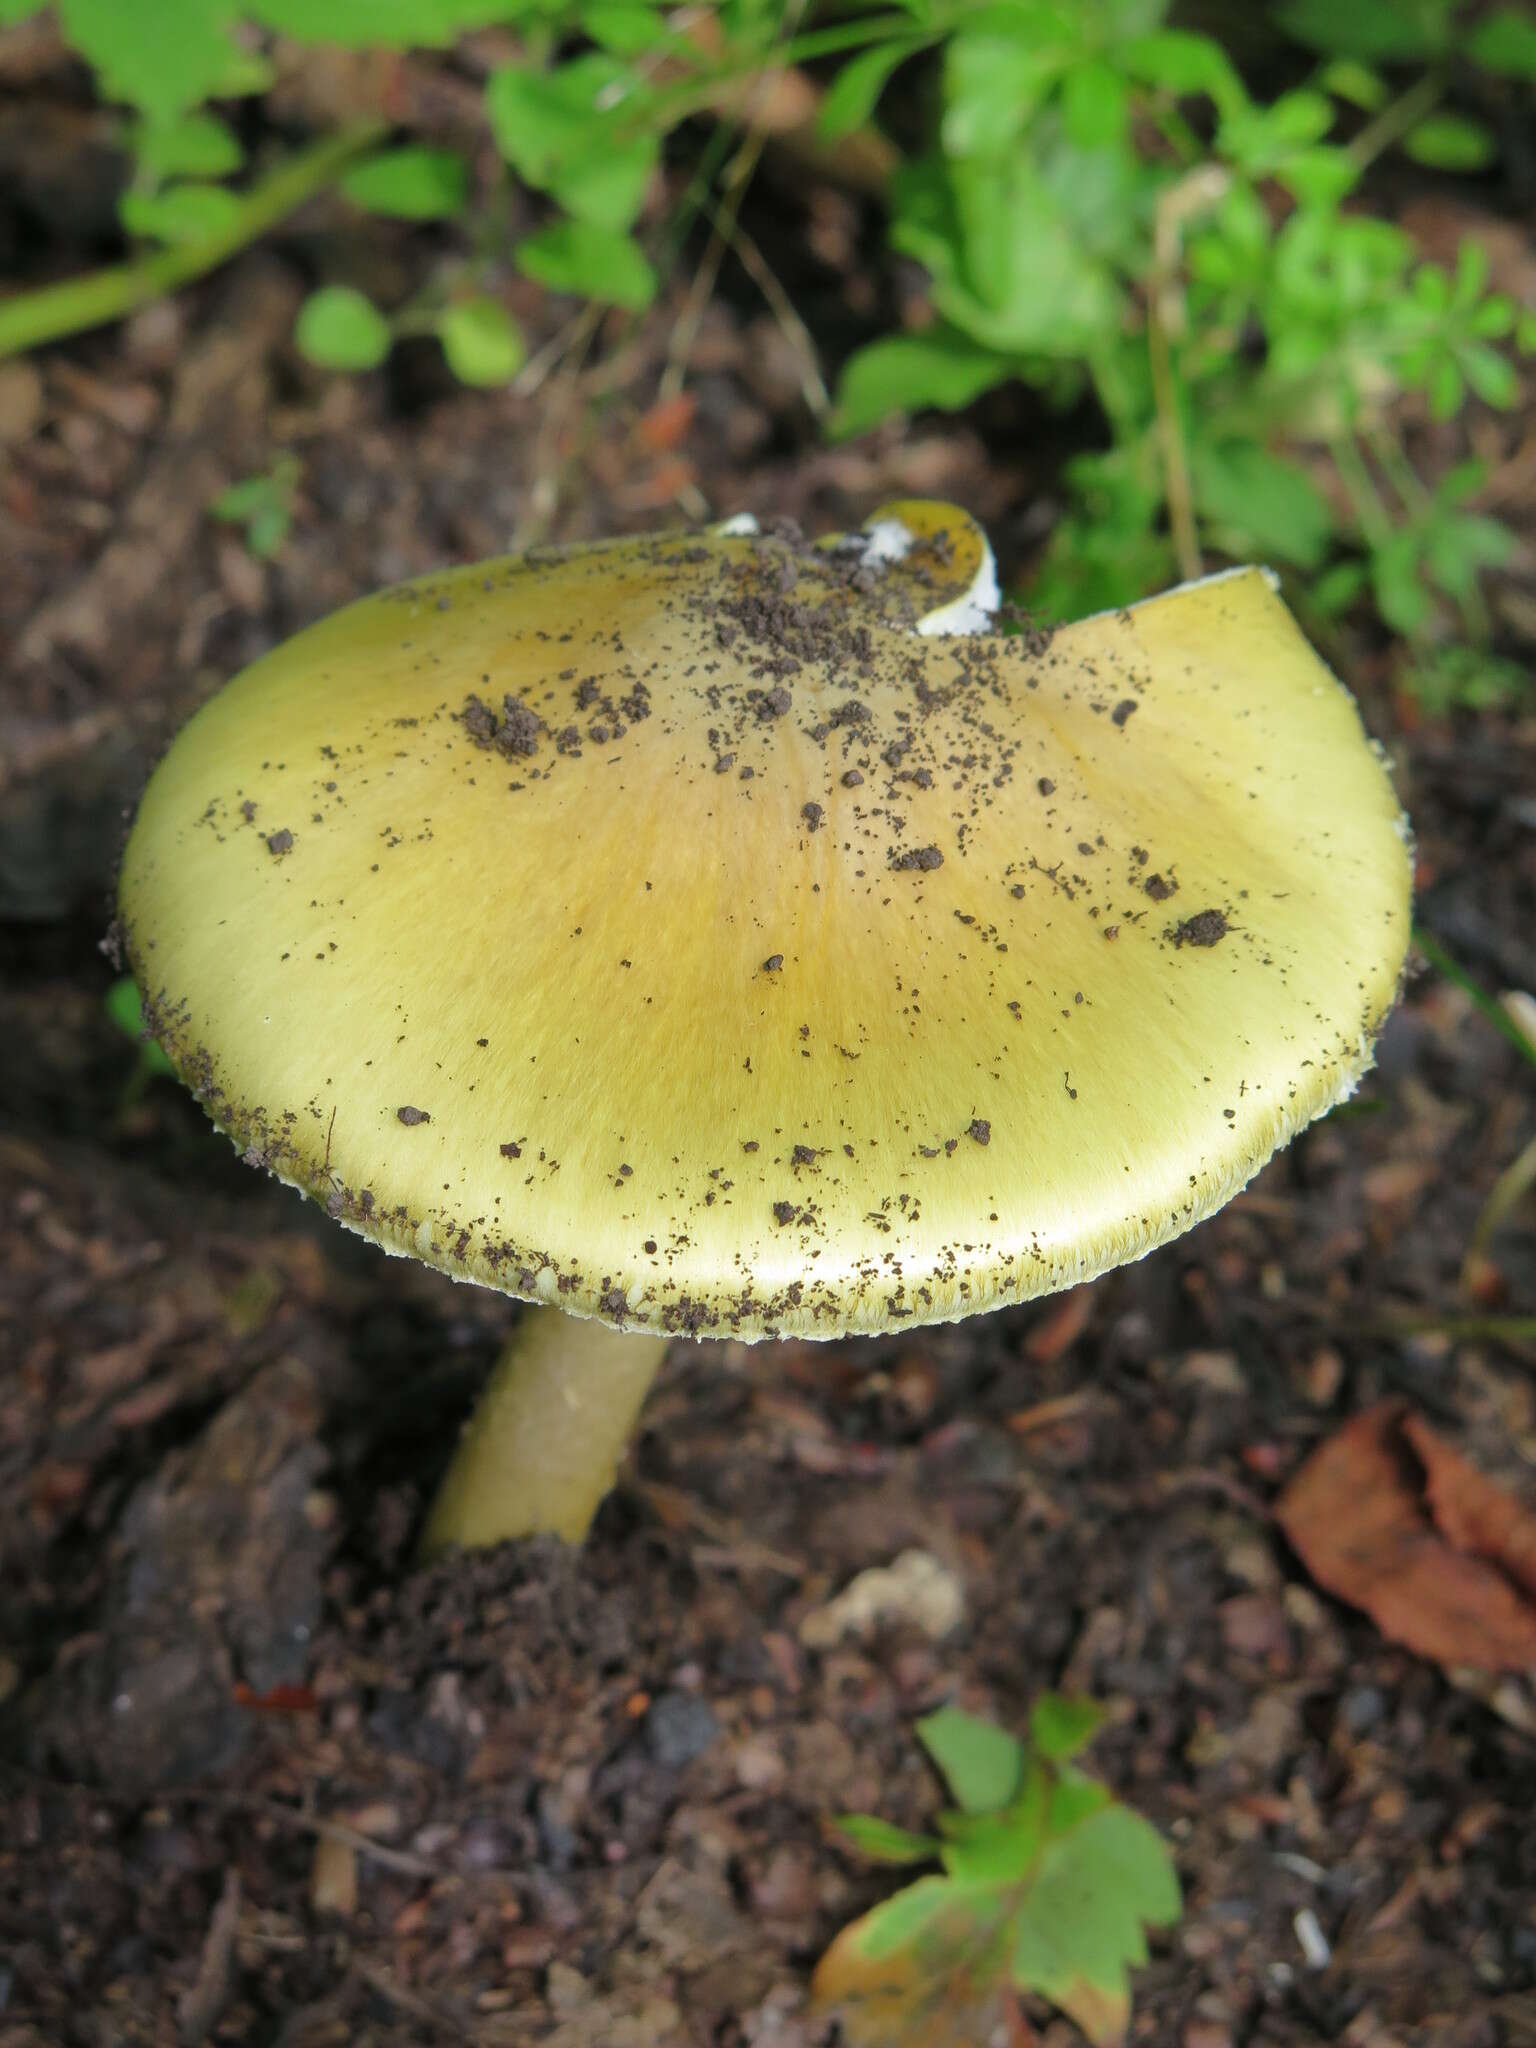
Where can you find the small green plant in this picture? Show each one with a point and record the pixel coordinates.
(1048, 1884)
(125, 1007)
(1105, 207)
(1107, 211)
(263, 505)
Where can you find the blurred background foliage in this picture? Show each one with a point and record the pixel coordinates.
(1164, 220)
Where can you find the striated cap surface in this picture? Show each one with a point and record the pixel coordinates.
(675, 931)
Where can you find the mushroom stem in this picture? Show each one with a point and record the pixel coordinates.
(542, 1447)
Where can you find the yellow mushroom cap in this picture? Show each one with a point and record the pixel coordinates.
(674, 930)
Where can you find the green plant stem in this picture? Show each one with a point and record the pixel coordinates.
(1506, 1195)
(1444, 963)
(1374, 519)
(693, 95)
(1395, 464)
(1395, 120)
(1193, 195)
(1178, 135)
(1170, 434)
(31, 318)
(1487, 1329)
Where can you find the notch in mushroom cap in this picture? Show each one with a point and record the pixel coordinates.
(683, 934)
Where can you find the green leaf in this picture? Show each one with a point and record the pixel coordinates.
(883, 1843)
(1446, 388)
(340, 329)
(1110, 548)
(161, 56)
(195, 146)
(481, 341)
(14, 11)
(924, 1970)
(1445, 678)
(1494, 318)
(242, 500)
(1011, 266)
(126, 1010)
(626, 30)
(855, 92)
(1080, 1930)
(1095, 105)
(1472, 268)
(1052, 1894)
(1260, 139)
(180, 213)
(1259, 504)
(263, 505)
(940, 367)
(1492, 376)
(593, 262)
(1336, 590)
(378, 24)
(414, 183)
(1450, 142)
(982, 1765)
(1318, 177)
(1061, 1728)
(1505, 42)
(992, 85)
(1377, 31)
(1401, 598)
(1184, 64)
(999, 1847)
(573, 132)
(1348, 79)
(267, 529)
(246, 74)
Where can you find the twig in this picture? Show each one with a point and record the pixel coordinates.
(236, 1802)
(546, 360)
(1509, 1190)
(705, 278)
(1394, 121)
(544, 491)
(330, 1830)
(199, 2007)
(30, 318)
(723, 222)
(1490, 1008)
(813, 387)
(432, 2016)
(1192, 195)
(697, 95)
(1512, 1330)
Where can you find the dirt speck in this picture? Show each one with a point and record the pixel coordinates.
(410, 1115)
(1205, 928)
(279, 843)
(980, 1130)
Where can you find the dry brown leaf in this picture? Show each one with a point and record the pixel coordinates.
(1470, 1511)
(1392, 1520)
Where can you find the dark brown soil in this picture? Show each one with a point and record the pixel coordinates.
(265, 1782)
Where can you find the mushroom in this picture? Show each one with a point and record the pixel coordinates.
(718, 935)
